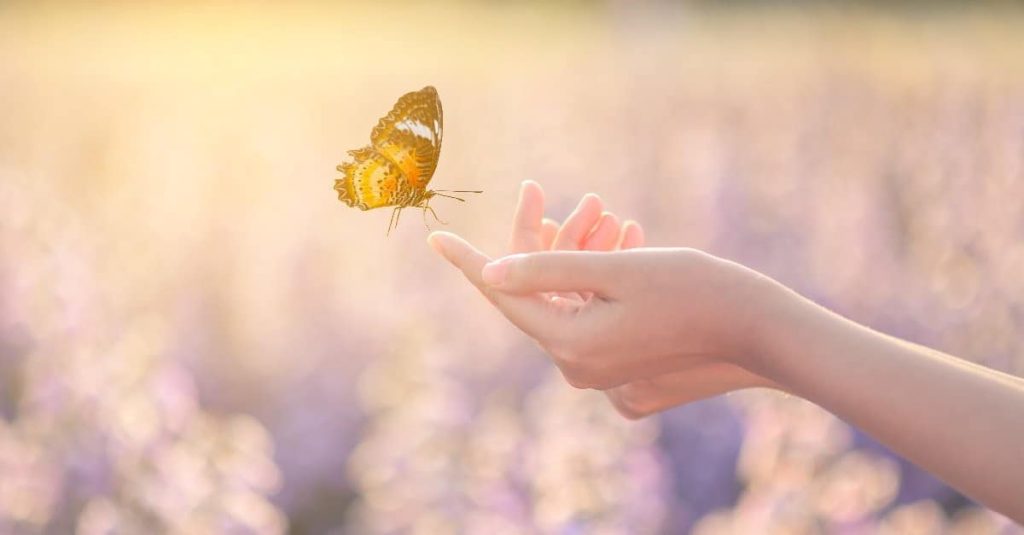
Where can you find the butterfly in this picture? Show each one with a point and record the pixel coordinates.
(396, 167)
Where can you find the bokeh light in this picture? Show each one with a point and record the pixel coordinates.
(197, 337)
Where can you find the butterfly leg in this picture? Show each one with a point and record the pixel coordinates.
(426, 206)
(433, 213)
(395, 215)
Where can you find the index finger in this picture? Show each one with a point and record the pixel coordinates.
(533, 314)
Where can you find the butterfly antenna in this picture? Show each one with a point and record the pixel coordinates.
(460, 199)
(441, 193)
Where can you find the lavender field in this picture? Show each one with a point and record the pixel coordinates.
(197, 337)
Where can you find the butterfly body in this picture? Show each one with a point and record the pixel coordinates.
(394, 170)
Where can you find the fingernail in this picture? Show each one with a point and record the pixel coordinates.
(495, 272)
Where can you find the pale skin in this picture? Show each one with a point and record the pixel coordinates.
(659, 327)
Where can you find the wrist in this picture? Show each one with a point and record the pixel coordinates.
(779, 317)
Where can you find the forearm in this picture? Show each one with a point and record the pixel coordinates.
(962, 422)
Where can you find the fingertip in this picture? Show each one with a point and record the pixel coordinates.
(574, 230)
(592, 199)
(632, 235)
(448, 245)
(436, 241)
(493, 273)
(531, 184)
(531, 194)
(610, 217)
(605, 234)
(590, 203)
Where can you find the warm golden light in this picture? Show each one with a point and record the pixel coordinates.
(196, 337)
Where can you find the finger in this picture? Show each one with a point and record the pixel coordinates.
(632, 235)
(548, 231)
(531, 313)
(463, 256)
(578, 224)
(526, 223)
(605, 235)
(554, 271)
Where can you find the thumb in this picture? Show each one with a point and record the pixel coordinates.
(553, 271)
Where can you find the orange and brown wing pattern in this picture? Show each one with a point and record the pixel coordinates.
(370, 180)
(410, 135)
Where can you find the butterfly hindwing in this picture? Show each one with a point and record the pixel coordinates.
(370, 181)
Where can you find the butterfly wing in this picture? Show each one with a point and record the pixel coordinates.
(370, 181)
(409, 136)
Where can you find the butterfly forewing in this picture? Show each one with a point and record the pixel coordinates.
(410, 135)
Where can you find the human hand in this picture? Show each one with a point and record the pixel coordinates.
(590, 228)
(659, 327)
(587, 336)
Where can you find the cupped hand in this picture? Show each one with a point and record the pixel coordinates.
(604, 317)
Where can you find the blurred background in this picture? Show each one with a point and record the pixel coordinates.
(197, 337)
